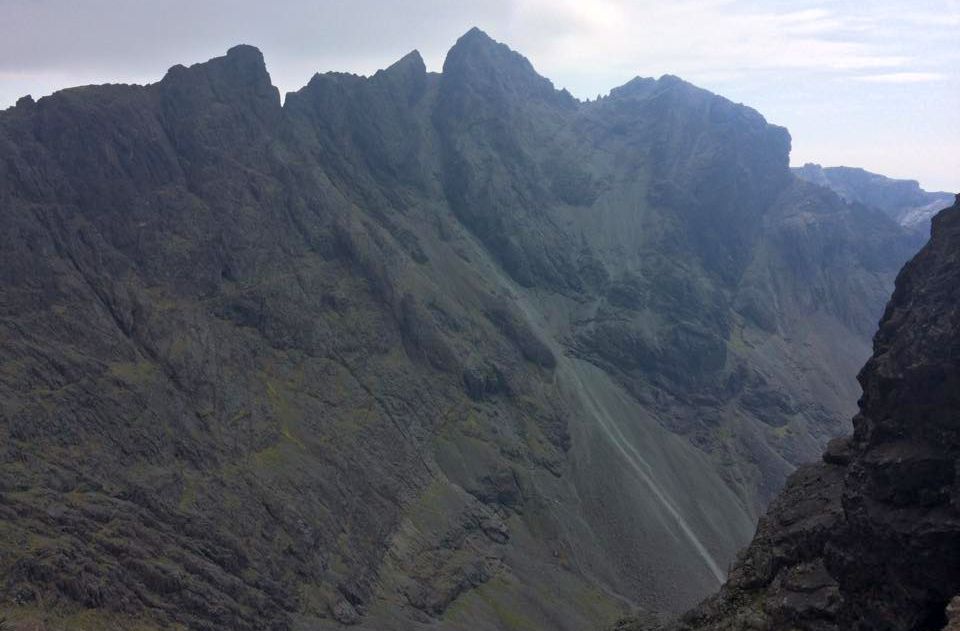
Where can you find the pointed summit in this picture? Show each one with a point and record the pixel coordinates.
(412, 62)
(479, 63)
(408, 75)
(478, 34)
(477, 49)
(409, 69)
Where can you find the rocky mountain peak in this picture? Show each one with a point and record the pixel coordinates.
(410, 64)
(240, 75)
(636, 87)
(25, 102)
(407, 75)
(245, 54)
(491, 68)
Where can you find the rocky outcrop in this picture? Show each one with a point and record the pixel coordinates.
(413, 350)
(869, 538)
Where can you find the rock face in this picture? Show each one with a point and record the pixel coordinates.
(901, 200)
(409, 351)
(870, 537)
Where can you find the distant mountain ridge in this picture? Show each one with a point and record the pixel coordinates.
(901, 200)
(416, 350)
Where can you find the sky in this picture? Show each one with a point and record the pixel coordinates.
(871, 83)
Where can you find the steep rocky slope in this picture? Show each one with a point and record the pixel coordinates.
(415, 350)
(869, 538)
(901, 200)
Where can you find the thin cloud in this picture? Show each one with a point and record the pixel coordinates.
(937, 20)
(903, 77)
(703, 36)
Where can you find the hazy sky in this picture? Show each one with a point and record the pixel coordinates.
(867, 83)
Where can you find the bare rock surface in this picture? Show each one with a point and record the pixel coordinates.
(419, 350)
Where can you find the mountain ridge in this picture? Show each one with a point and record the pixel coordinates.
(902, 200)
(409, 349)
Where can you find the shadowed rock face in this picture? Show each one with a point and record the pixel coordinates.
(409, 351)
(869, 538)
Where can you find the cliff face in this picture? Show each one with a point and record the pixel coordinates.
(415, 350)
(870, 538)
